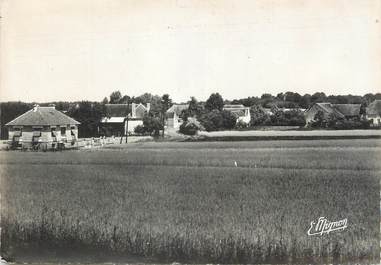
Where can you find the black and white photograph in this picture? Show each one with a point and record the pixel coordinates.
(190, 132)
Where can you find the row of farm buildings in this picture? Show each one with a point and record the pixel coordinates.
(51, 128)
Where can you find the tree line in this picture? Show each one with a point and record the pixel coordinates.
(208, 115)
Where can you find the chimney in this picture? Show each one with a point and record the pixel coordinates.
(148, 107)
(35, 107)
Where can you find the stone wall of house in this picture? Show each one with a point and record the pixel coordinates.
(375, 119)
(132, 125)
(46, 136)
(174, 122)
(245, 118)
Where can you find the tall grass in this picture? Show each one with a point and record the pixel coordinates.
(174, 202)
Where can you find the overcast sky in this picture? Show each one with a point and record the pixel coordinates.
(55, 50)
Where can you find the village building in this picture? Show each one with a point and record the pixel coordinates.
(373, 113)
(340, 111)
(173, 114)
(240, 111)
(122, 119)
(42, 128)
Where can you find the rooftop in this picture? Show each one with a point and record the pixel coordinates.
(374, 108)
(39, 116)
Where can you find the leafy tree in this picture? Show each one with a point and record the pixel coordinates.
(214, 102)
(89, 114)
(115, 97)
(140, 129)
(190, 127)
(152, 125)
(294, 117)
(228, 120)
(258, 115)
(105, 100)
(363, 106)
(166, 103)
(280, 96)
(318, 97)
(305, 101)
(212, 121)
(194, 110)
(248, 102)
(292, 97)
(194, 107)
(267, 96)
(10, 111)
(125, 99)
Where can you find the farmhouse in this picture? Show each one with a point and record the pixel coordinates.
(241, 112)
(115, 123)
(173, 115)
(373, 113)
(42, 128)
(340, 111)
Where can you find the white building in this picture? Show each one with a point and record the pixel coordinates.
(115, 121)
(173, 119)
(240, 111)
(373, 113)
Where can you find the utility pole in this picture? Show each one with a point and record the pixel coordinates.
(128, 107)
(163, 123)
(125, 127)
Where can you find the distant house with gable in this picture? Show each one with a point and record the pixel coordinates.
(373, 113)
(340, 111)
(241, 112)
(121, 119)
(173, 119)
(42, 127)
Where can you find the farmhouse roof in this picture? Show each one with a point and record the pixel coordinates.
(177, 108)
(348, 109)
(329, 108)
(374, 108)
(39, 116)
(340, 110)
(238, 112)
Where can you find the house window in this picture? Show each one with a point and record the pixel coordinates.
(54, 133)
(36, 134)
(17, 135)
(63, 131)
(17, 132)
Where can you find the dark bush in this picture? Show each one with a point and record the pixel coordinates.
(140, 129)
(190, 127)
(228, 119)
(212, 121)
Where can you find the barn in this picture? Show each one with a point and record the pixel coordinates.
(115, 123)
(340, 111)
(42, 128)
(373, 113)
